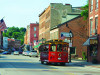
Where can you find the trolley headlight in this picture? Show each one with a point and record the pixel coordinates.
(59, 58)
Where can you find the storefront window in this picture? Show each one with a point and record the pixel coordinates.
(93, 50)
(73, 50)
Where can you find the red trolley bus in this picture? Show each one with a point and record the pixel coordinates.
(54, 51)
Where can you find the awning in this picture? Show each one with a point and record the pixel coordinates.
(90, 40)
(37, 45)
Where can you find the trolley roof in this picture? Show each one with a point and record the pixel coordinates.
(56, 41)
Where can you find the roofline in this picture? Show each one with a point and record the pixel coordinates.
(42, 12)
(73, 13)
(65, 22)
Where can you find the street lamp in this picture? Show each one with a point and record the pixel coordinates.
(42, 40)
(70, 34)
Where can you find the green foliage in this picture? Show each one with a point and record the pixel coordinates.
(16, 35)
(84, 55)
(94, 61)
(85, 8)
(15, 32)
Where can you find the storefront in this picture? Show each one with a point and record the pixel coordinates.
(92, 44)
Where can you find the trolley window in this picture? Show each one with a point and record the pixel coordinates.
(53, 47)
(59, 48)
(65, 48)
(44, 48)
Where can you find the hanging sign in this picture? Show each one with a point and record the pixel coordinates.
(93, 41)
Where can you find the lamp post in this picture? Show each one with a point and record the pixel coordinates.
(42, 40)
(70, 34)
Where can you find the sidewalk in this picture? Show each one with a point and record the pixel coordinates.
(84, 63)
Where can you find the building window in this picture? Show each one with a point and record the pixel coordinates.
(91, 26)
(93, 50)
(34, 42)
(96, 4)
(34, 35)
(73, 50)
(91, 8)
(34, 28)
(96, 24)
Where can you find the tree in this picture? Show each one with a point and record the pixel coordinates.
(15, 32)
(16, 35)
(85, 11)
(22, 29)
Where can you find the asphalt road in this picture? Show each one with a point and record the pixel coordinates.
(24, 65)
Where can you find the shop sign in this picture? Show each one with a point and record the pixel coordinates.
(93, 41)
(70, 44)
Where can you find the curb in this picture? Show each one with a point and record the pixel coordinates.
(93, 66)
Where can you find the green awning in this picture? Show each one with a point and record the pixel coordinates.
(37, 45)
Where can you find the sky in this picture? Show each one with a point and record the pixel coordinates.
(20, 13)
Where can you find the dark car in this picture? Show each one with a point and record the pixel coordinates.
(20, 52)
(6, 52)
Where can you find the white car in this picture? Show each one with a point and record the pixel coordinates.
(23, 52)
(26, 53)
(33, 54)
(16, 53)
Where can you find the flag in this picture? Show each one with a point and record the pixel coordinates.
(62, 36)
(2, 25)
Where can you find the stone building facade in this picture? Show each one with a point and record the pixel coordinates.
(55, 14)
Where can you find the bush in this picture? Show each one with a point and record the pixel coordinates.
(94, 61)
(84, 55)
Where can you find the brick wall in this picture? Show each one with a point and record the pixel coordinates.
(92, 15)
(32, 32)
(79, 28)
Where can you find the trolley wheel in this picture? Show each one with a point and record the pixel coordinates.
(55, 64)
(62, 64)
(48, 63)
(42, 62)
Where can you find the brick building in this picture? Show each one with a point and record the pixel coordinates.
(11, 43)
(93, 42)
(32, 34)
(17, 44)
(55, 14)
(79, 29)
(1, 39)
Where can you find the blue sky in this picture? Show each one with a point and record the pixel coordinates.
(20, 13)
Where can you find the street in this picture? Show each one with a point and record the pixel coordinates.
(24, 65)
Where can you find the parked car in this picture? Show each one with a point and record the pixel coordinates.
(23, 52)
(26, 53)
(6, 52)
(16, 52)
(20, 52)
(33, 54)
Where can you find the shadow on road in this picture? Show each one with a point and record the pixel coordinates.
(3, 57)
(25, 65)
